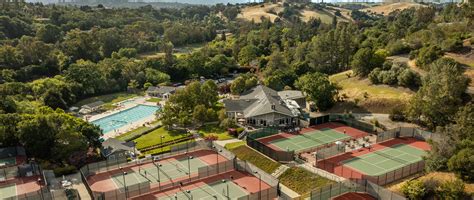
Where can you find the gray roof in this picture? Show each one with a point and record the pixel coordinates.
(8, 152)
(291, 94)
(259, 100)
(93, 104)
(161, 89)
(113, 145)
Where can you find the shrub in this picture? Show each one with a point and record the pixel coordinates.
(427, 55)
(450, 190)
(240, 130)
(463, 164)
(414, 189)
(409, 78)
(397, 114)
(388, 77)
(69, 169)
(451, 44)
(374, 76)
(398, 47)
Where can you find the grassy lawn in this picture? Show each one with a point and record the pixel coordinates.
(153, 138)
(136, 131)
(234, 145)
(372, 98)
(214, 129)
(246, 153)
(153, 100)
(108, 99)
(164, 149)
(302, 181)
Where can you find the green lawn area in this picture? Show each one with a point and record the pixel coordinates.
(164, 149)
(154, 100)
(154, 137)
(302, 181)
(108, 99)
(138, 130)
(234, 145)
(246, 153)
(214, 129)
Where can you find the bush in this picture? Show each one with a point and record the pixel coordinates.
(427, 55)
(397, 114)
(398, 47)
(450, 190)
(463, 164)
(409, 78)
(414, 189)
(451, 44)
(389, 77)
(374, 76)
(69, 169)
(240, 130)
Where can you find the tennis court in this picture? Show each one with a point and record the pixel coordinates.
(8, 191)
(385, 160)
(225, 189)
(160, 171)
(8, 161)
(309, 140)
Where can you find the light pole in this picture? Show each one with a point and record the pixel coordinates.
(158, 171)
(125, 184)
(189, 167)
(161, 142)
(227, 188)
(41, 188)
(190, 195)
(259, 185)
(217, 157)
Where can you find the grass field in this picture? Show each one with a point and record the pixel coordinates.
(154, 137)
(302, 181)
(177, 51)
(386, 9)
(153, 100)
(372, 98)
(435, 177)
(108, 99)
(214, 129)
(246, 153)
(135, 131)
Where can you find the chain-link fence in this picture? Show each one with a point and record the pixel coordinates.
(331, 151)
(408, 132)
(278, 155)
(42, 194)
(267, 194)
(329, 191)
(382, 179)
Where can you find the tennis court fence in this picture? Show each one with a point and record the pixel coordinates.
(278, 155)
(144, 188)
(346, 119)
(363, 186)
(383, 179)
(42, 194)
(408, 132)
(331, 151)
(117, 162)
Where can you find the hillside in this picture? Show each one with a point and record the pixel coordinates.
(270, 11)
(362, 96)
(385, 9)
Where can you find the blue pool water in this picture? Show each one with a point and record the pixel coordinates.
(124, 117)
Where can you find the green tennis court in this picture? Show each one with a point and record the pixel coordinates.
(8, 191)
(216, 190)
(385, 160)
(309, 140)
(8, 161)
(163, 171)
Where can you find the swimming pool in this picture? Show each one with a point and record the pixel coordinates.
(124, 117)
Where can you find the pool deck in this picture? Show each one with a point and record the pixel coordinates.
(128, 127)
